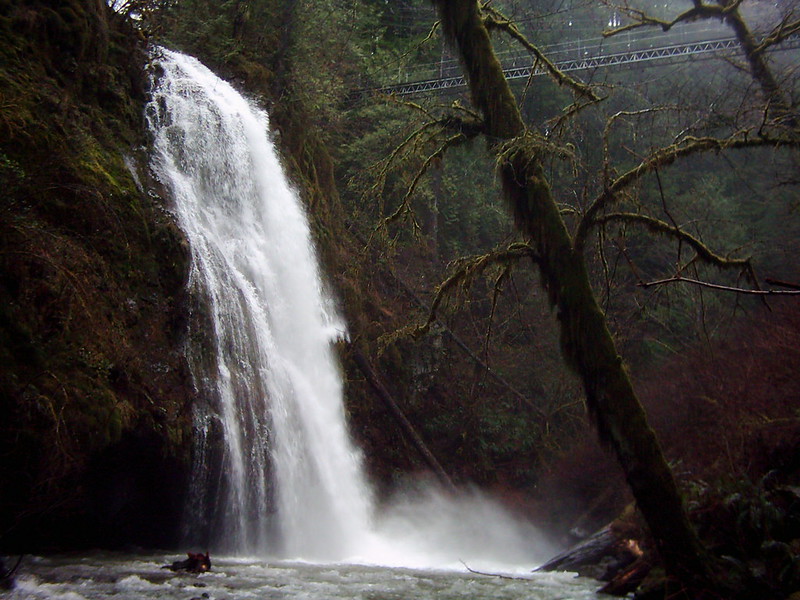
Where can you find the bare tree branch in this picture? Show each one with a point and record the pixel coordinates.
(728, 11)
(700, 10)
(642, 19)
(666, 156)
(494, 19)
(779, 283)
(468, 268)
(716, 286)
(784, 30)
(465, 128)
(611, 121)
(662, 227)
(405, 203)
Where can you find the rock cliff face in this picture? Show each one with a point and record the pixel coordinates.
(95, 395)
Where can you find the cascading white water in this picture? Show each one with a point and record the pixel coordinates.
(268, 358)
(263, 358)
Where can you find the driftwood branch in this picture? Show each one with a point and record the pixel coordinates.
(498, 575)
(7, 576)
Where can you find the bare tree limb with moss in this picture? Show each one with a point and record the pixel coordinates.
(661, 157)
(494, 19)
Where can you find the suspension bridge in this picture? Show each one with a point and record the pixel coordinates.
(579, 55)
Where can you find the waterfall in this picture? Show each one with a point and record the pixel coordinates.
(275, 470)
(288, 480)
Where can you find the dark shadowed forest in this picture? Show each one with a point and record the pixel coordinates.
(563, 235)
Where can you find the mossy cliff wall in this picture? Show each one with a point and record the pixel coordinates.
(95, 396)
(95, 393)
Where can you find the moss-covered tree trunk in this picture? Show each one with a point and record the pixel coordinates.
(586, 341)
(760, 70)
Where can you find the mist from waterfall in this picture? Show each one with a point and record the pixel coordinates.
(289, 482)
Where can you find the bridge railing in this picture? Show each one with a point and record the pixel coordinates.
(574, 49)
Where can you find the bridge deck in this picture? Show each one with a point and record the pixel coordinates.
(593, 58)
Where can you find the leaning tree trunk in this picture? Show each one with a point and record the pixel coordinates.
(586, 341)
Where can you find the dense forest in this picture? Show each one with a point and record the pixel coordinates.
(575, 288)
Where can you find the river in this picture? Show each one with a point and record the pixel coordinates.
(140, 577)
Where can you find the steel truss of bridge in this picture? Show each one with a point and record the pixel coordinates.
(676, 51)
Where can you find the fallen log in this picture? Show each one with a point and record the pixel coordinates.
(604, 555)
(586, 556)
(7, 580)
